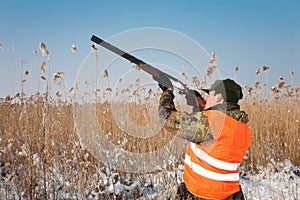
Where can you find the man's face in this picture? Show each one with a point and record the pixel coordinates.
(213, 99)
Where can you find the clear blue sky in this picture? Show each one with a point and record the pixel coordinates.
(249, 34)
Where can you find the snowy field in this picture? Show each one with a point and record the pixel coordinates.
(277, 181)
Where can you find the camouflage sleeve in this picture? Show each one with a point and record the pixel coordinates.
(192, 127)
(166, 105)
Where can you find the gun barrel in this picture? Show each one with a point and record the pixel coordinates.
(117, 50)
(146, 67)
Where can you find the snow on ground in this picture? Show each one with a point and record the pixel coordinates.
(276, 181)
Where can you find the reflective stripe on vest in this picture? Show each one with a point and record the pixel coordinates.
(213, 161)
(209, 174)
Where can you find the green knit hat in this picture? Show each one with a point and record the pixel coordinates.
(230, 90)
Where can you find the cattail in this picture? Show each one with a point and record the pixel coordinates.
(213, 59)
(35, 52)
(257, 83)
(249, 88)
(71, 89)
(58, 75)
(281, 84)
(135, 93)
(137, 81)
(73, 48)
(196, 81)
(210, 70)
(42, 77)
(265, 68)
(236, 69)
(58, 94)
(8, 98)
(42, 46)
(105, 74)
(108, 89)
(184, 75)
(143, 90)
(94, 48)
(292, 73)
(42, 67)
(257, 71)
(44, 49)
(194, 78)
(280, 78)
(26, 72)
(274, 89)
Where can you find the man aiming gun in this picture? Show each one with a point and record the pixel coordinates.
(219, 137)
(217, 132)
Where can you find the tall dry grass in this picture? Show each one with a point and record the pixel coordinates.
(41, 156)
(275, 126)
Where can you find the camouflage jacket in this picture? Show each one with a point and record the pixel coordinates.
(193, 127)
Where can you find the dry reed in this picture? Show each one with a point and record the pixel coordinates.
(41, 154)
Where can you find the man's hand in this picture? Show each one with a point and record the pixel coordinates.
(194, 99)
(163, 81)
(162, 87)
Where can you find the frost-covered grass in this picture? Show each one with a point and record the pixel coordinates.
(90, 181)
(42, 156)
(276, 181)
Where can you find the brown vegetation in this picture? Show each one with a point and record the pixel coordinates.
(40, 150)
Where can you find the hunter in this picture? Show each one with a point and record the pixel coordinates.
(218, 136)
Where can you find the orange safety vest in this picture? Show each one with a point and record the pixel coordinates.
(212, 171)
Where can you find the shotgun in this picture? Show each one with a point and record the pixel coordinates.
(156, 73)
(144, 66)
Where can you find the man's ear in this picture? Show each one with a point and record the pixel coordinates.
(219, 98)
